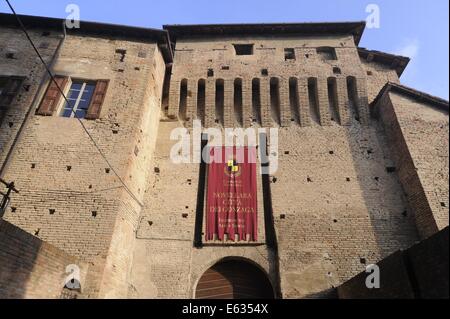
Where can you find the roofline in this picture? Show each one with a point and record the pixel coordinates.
(397, 62)
(186, 30)
(161, 37)
(418, 95)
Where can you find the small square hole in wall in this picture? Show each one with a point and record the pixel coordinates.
(376, 178)
(51, 211)
(308, 179)
(307, 55)
(362, 260)
(210, 73)
(156, 170)
(69, 168)
(10, 124)
(122, 54)
(390, 169)
(33, 165)
(348, 179)
(107, 170)
(286, 152)
(243, 49)
(184, 215)
(264, 72)
(404, 213)
(150, 223)
(443, 204)
(289, 54)
(10, 55)
(13, 209)
(336, 70)
(282, 216)
(94, 213)
(335, 221)
(331, 152)
(369, 73)
(216, 121)
(225, 67)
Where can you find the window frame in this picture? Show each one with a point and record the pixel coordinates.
(60, 110)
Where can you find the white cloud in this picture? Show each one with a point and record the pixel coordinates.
(409, 48)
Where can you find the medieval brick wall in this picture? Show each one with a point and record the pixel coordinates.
(335, 204)
(23, 63)
(69, 196)
(418, 272)
(378, 75)
(214, 60)
(418, 137)
(31, 268)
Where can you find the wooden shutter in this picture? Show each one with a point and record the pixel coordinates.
(10, 91)
(52, 96)
(98, 98)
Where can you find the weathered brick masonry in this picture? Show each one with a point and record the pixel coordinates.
(362, 169)
(69, 196)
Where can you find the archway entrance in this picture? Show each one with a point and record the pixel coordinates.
(234, 279)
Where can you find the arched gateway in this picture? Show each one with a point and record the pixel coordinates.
(234, 279)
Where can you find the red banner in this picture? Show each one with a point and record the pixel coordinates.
(231, 206)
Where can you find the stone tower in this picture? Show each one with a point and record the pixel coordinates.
(362, 160)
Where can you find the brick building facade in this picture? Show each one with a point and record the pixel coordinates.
(362, 160)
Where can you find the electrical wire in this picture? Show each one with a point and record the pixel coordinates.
(67, 101)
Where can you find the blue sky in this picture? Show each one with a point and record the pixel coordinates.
(415, 28)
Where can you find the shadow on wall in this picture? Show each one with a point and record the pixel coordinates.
(19, 251)
(27, 264)
(392, 222)
(422, 271)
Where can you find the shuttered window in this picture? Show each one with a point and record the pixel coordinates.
(52, 96)
(9, 87)
(84, 98)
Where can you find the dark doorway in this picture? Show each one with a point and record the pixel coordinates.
(234, 279)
